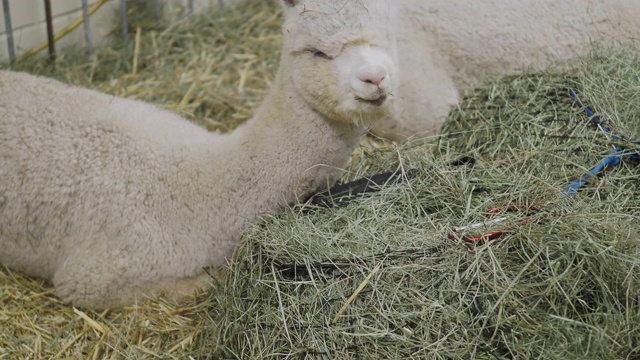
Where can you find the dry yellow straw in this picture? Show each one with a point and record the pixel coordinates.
(92, 323)
(64, 32)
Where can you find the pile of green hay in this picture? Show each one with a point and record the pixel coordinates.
(379, 278)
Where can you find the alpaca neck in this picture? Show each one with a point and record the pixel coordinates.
(287, 151)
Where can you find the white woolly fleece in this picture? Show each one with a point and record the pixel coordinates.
(444, 47)
(113, 199)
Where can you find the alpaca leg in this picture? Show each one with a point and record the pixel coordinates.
(82, 282)
(177, 289)
(421, 107)
(426, 89)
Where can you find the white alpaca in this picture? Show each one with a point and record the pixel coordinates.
(113, 199)
(446, 46)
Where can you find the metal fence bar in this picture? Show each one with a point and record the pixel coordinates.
(158, 11)
(9, 29)
(125, 23)
(190, 7)
(50, 40)
(87, 28)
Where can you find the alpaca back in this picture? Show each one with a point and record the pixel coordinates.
(75, 161)
(474, 39)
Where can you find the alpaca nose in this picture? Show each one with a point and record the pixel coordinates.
(374, 79)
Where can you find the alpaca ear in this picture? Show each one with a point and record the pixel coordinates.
(292, 3)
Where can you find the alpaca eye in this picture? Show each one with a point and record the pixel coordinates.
(319, 54)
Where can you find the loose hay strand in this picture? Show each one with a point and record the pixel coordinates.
(356, 292)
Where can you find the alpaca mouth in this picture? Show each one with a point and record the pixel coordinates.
(375, 102)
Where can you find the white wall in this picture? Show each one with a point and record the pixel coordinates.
(29, 27)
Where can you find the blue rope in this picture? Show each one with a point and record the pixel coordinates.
(614, 158)
(594, 118)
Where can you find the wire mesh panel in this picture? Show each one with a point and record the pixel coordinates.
(26, 29)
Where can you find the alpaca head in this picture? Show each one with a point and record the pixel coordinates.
(340, 56)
